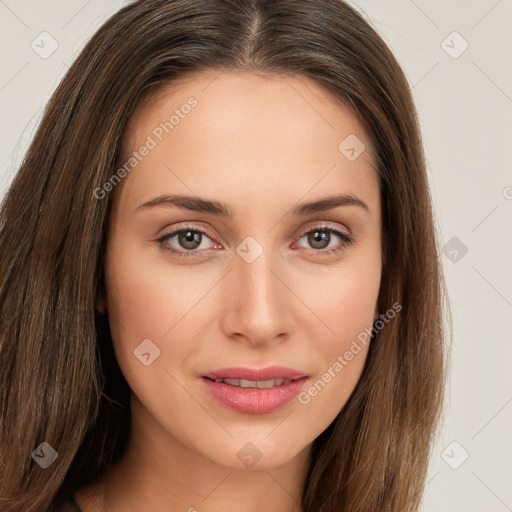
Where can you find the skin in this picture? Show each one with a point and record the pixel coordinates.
(261, 144)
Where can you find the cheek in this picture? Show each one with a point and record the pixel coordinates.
(345, 299)
(342, 355)
(148, 300)
(347, 307)
(144, 292)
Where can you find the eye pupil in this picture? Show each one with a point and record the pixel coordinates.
(319, 237)
(189, 237)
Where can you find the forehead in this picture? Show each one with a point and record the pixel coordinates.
(250, 97)
(250, 131)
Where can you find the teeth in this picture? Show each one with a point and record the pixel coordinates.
(260, 384)
(263, 384)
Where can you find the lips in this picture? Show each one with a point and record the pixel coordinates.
(256, 391)
(259, 384)
(256, 374)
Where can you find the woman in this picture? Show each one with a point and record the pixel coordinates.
(176, 334)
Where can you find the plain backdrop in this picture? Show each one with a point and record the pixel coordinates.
(457, 56)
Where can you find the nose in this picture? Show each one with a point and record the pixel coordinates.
(259, 305)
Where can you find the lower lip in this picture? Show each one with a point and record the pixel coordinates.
(254, 400)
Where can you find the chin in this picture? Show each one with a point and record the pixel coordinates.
(255, 452)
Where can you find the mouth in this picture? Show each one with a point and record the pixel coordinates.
(255, 384)
(246, 373)
(254, 391)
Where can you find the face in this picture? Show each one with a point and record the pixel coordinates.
(240, 280)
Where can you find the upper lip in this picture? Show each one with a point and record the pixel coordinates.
(256, 374)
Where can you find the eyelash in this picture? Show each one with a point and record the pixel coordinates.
(346, 240)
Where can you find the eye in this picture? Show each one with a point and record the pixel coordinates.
(190, 238)
(320, 237)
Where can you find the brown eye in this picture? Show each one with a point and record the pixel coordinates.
(319, 239)
(189, 239)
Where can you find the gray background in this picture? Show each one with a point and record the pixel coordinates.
(464, 98)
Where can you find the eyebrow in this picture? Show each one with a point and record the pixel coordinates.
(199, 204)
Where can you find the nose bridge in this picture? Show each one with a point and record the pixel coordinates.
(257, 299)
(252, 272)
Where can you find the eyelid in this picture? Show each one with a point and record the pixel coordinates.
(341, 232)
(184, 226)
(323, 225)
(300, 234)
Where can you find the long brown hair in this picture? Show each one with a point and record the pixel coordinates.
(59, 379)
